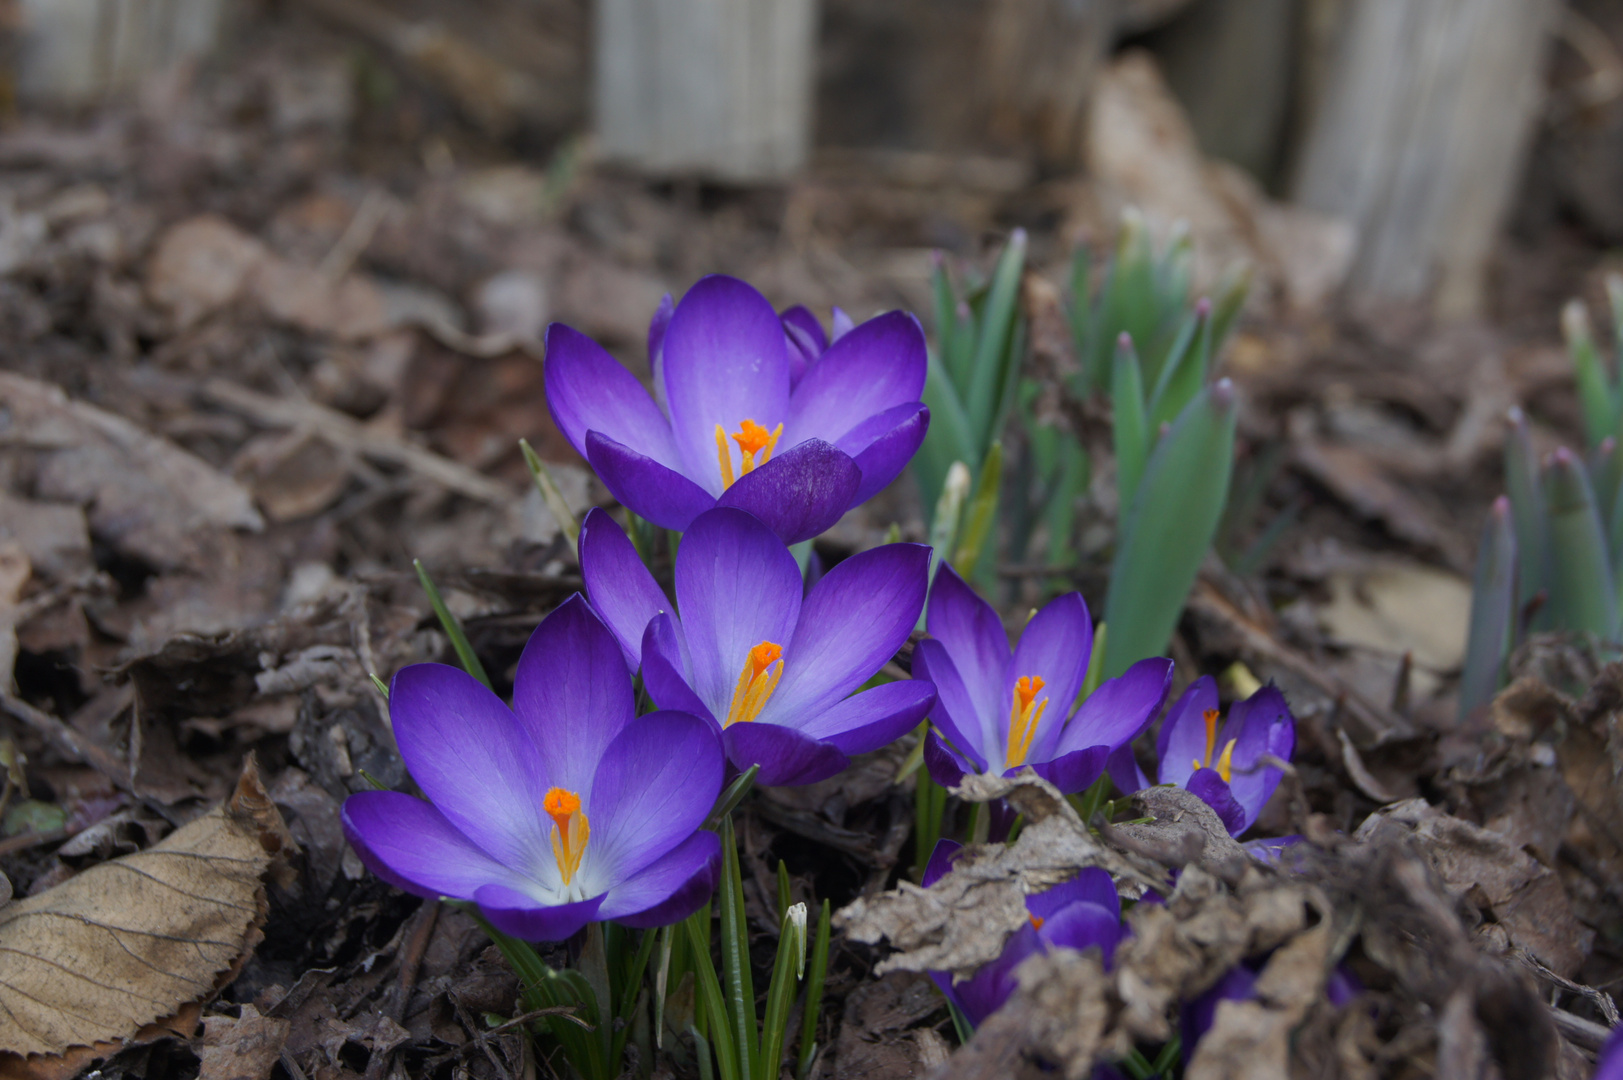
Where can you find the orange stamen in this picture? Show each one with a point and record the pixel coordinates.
(1025, 713)
(763, 667)
(1225, 761)
(570, 830)
(1037, 921)
(752, 440)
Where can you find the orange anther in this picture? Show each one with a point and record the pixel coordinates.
(751, 438)
(1036, 921)
(763, 667)
(560, 804)
(764, 656)
(571, 832)
(1027, 687)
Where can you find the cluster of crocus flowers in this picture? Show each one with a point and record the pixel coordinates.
(565, 809)
(1000, 710)
(1080, 914)
(1224, 762)
(771, 666)
(751, 410)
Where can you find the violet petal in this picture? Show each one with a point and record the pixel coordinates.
(1121, 708)
(940, 861)
(1055, 646)
(876, 717)
(589, 390)
(669, 889)
(663, 496)
(654, 787)
(799, 494)
(878, 366)
(946, 766)
(1072, 772)
(410, 844)
(1182, 741)
(973, 636)
(883, 449)
(622, 591)
(785, 756)
(662, 669)
(1210, 786)
(517, 915)
(954, 712)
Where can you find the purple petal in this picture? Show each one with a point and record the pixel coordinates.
(873, 718)
(897, 435)
(736, 587)
(1055, 646)
(946, 766)
(1261, 724)
(726, 361)
(1090, 886)
(1071, 772)
(573, 694)
(670, 889)
(850, 626)
(940, 861)
(1125, 772)
(800, 318)
(1120, 709)
(954, 713)
(656, 345)
(785, 756)
(663, 496)
(1209, 785)
(662, 668)
(877, 366)
(621, 589)
(799, 494)
(1273, 850)
(1238, 985)
(974, 638)
(842, 324)
(1183, 734)
(517, 915)
(482, 769)
(411, 845)
(985, 992)
(1609, 1066)
(803, 352)
(588, 390)
(654, 787)
(1342, 987)
(1084, 926)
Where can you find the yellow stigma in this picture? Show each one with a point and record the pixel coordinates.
(570, 830)
(752, 439)
(1025, 713)
(762, 669)
(1225, 760)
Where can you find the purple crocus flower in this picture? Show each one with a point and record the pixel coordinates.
(566, 809)
(807, 342)
(1077, 914)
(771, 666)
(732, 425)
(1000, 710)
(1609, 1065)
(1240, 984)
(1220, 766)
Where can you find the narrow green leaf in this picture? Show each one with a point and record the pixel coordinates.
(1526, 511)
(1096, 664)
(996, 338)
(1185, 371)
(1169, 528)
(1595, 394)
(1581, 588)
(980, 514)
(550, 494)
(1231, 293)
(452, 627)
(1129, 426)
(714, 1006)
(701, 1052)
(814, 995)
(787, 969)
(735, 954)
(1081, 317)
(929, 800)
(630, 994)
(948, 437)
(784, 889)
(949, 512)
(379, 685)
(1069, 484)
(1493, 611)
(730, 797)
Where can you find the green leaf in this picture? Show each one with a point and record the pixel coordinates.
(1185, 370)
(787, 970)
(980, 514)
(1081, 318)
(1068, 485)
(712, 1003)
(1581, 588)
(1493, 611)
(1596, 397)
(1526, 511)
(1129, 426)
(730, 797)
(1169, 528)
(453, 628)
(997, 336)
(814, 995)
(550, 494)
(735, 954)
(948, 437)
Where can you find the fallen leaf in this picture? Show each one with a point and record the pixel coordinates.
(55, 536)
(143, 494)
(1401, 608)
(200, 266)
(245, 1048)
(134, 945)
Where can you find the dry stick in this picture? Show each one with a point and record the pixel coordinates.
(65, 741)
(411, 962)
(348, 434)
(1585, 1033)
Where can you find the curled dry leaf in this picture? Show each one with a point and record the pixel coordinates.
(963, 920)
(128, 949)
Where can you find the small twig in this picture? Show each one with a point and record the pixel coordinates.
(1585, 1033)
(65, 741)
(1601, 1000)
(357, 235)
(349, 434)
(23, 841)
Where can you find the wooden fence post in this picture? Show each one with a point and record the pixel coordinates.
(76, 52)
(710, 88)
(1420, 138)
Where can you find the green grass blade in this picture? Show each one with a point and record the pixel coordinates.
(948, 437)
(735, 954)
(550, 494)
(814, 994)
(1527, 512)
(1169, 528)
(451, 625)
(1081, 318)
(981, 513)
(1068, 486)
(996, 338)
(788, 968)
(1493, 611)
(730, 797)
(711, 1002)
(1595, 395)
(1185, 370)
(1130, 431)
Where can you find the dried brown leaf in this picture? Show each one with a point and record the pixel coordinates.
(122, 946)
(245, 1048)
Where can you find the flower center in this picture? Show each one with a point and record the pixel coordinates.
(762, 669)
(752, 439)
(1025, 713)
(1036, 921)
(1225, 760)
(570, 830)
